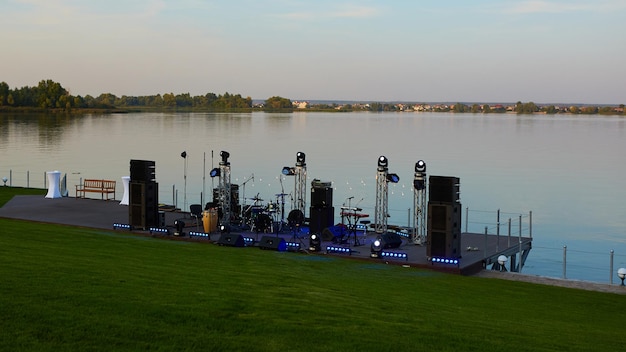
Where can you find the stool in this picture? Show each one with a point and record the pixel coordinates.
(365, 223)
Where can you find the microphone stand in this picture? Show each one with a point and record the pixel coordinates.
(243, 207)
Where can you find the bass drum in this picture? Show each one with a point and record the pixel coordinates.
(263, 222)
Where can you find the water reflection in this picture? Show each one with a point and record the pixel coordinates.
(567, 170)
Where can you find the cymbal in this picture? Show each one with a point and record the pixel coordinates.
(282, 194)
(256, 198)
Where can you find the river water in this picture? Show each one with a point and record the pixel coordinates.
(567, 170)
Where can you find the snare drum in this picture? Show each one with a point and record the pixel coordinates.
(272, 207)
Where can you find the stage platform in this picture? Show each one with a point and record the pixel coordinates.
(478, 251)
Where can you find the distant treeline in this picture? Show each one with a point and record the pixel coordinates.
(50, 95)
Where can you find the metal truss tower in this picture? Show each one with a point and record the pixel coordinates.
(300, 182)
(224, 188)
(382, 195)
(419, 203)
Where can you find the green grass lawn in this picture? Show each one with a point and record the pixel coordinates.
(67, 288)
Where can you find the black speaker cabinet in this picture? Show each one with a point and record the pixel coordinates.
(444, 230)
(443, 189)
(273, 243)
(142, 171)
(321, 194)
(231, 239)
(143, 210)
(320, 218)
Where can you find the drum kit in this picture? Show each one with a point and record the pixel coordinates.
(266, 218)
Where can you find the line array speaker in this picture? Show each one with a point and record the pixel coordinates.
(143, 210)
(321, 194)
(142, 171)
(444, 230)
(443, 189)
(320, 218)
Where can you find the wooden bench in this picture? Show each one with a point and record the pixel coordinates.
(104, 187)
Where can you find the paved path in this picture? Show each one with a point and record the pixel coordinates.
(583, 285)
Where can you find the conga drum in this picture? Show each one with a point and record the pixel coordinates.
(209, 220)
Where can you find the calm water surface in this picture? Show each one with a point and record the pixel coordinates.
(567, 170)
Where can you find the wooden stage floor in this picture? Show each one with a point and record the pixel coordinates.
(478, 251)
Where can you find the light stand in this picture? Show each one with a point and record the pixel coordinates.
(419, 203)
(244, 190)
(224, 188)
(184, 156)
(381, 210)
(300, 182)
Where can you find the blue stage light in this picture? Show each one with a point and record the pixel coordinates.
(288, 171)
(248, 241)
(451, 261)
(395, 255)
(121, 226)
(159, 230)
(199, 234)
(215, 172)
(293, 246)
(393, 178)
(335, 249)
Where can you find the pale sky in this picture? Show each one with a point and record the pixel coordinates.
(545, 51)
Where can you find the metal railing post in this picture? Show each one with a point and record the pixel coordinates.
(498, 232)
(508, 244)
(611, 267)
(466, 217)
(485, 243)
(564, 261)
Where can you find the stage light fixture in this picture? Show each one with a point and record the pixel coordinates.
(224, 228)
(215, 172)
(300, 157)
(376, 248)
(621, 273)
(420, 166)
(179, 225)
(183, 154)
(4, 179)
(419, 184)
(225, 155)
(288, 171)
(393, 178)
(315, 243)
(383, 162)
